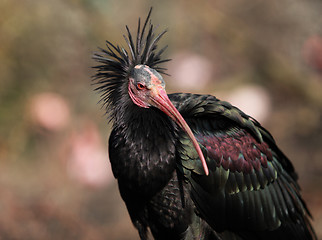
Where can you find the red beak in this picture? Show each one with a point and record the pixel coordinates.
(162, 102)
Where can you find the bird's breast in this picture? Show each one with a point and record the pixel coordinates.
(144, 160)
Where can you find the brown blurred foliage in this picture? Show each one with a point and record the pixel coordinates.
(49, 112)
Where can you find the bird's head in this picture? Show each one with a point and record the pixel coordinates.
(137, 71)
(146, 86)
(147, 89)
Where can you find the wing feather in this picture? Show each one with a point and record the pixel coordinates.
(252, 185)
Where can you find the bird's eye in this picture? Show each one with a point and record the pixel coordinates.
(140, 86)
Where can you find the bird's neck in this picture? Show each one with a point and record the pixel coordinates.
(144, 146)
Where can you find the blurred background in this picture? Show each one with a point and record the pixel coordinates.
(55, 179)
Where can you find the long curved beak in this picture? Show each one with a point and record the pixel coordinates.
(161, 100)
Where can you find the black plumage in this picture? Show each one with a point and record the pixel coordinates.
(161, 161)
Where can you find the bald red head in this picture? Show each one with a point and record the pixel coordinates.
(147, 89)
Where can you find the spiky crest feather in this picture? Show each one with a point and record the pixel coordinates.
(117, 63)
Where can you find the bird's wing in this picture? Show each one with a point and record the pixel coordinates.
(252, 185)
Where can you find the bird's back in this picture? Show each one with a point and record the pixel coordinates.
(252, 188)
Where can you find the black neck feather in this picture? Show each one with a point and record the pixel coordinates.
(142, 150)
